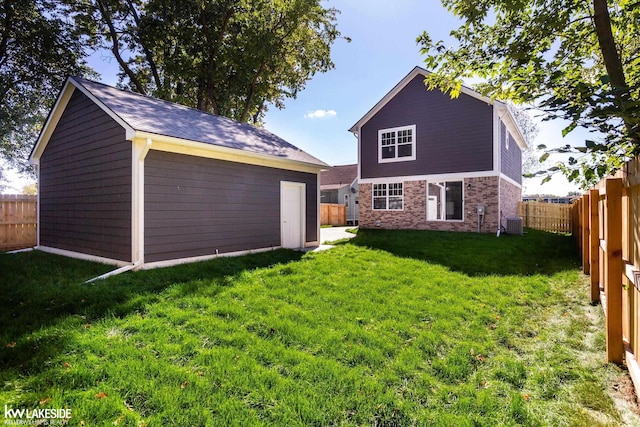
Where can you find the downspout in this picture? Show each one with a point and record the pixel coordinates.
(137, 215)
(115, 272)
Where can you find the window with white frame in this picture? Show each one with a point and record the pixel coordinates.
(397, 144)
(445, 201)
(388, 196)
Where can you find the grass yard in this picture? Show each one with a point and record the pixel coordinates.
(387, 329)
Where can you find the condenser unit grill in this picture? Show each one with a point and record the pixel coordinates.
(514, 225)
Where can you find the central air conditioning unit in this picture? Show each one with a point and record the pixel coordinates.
(514, 226)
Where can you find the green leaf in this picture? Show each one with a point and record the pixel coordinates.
(568, 129)
(544, 157)
(547, 54)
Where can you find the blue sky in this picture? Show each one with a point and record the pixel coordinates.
(382, 51)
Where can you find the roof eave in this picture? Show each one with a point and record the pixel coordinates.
(512, 124)
(58, 109)
(184, 146)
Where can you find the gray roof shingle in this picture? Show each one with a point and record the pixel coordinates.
(338, 177)
(146, 114)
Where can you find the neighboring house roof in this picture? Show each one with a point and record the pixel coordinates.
(142, 114)
(504, 112)
(338, 177)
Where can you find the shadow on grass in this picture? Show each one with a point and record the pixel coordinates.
(536, 252)
(40, 290)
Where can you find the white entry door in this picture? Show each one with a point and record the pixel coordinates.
(292, 214)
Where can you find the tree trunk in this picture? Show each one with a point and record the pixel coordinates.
(607, 44)
(115, 48)
(147, 53)
(613, 64)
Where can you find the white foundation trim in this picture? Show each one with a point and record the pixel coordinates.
(172, 262)
(80, 255)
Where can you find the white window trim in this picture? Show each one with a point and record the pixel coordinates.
(444, 219)
(373, 196)
(397, 159)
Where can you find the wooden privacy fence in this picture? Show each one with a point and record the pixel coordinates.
(18, 222)
(552, 217)
(333, 214)
(608, 234)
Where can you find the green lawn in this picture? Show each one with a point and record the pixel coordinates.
(388, 329)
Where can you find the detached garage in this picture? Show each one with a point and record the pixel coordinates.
(127, 179)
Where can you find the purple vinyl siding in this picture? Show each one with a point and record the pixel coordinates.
(452, 135)
(511, 163)
(85, 184)
(196, 206)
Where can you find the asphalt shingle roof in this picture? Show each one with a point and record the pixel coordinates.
(146, 114)
(338, 176)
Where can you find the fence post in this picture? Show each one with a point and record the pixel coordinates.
(580, 224)
(594, 234)
(585, 233)
(613, 268)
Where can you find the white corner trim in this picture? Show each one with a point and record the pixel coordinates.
(82, 256)
(139, 150)
(318, 213)
(497, 148)
(178, 261)
(38, 205)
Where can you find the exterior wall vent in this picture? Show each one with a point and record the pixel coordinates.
(514, 226)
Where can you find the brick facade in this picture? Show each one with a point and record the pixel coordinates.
(510, 195)
(477, 191)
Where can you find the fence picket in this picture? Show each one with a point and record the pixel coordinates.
(613, 254)
(551, 217)
(18, 217)
(333, 214)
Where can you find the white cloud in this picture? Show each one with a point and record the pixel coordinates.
(320, 114)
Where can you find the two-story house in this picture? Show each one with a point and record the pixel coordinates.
(429, 161)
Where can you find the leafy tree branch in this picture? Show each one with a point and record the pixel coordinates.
(572, 59)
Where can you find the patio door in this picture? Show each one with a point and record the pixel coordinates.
(292, 214)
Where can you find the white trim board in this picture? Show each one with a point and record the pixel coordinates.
(435, 177)
(211, 151)
(510, 180)
(178, 261)
(82, 256)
